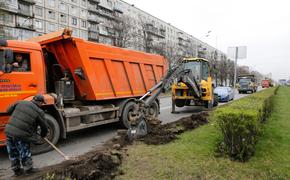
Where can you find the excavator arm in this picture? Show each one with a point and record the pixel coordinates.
(139, 126)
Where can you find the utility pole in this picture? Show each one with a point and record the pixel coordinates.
(236, 60)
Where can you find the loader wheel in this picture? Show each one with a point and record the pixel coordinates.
(180, 102)
(53, 135)
(209, 105)
(153, 109)
(127, 114)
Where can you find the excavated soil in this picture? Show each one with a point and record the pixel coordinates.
(163, 134)
(103, 162)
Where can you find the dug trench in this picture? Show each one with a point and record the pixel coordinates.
(103, 162)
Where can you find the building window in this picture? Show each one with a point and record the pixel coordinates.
(39, 1)
(51, 27)
(83, 13)
(62, 18)
(8, 18)
(24, 8)
(75, 32)
(51, 3)
(74, 1)
(74, 21)
(38, 24)
(73, 10)
(51, 14)
(84, 24)
(62, 6)
(38, 11)
(84, 2)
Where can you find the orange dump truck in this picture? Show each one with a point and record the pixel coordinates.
(85, 84)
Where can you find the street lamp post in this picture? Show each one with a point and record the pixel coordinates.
(216, 38)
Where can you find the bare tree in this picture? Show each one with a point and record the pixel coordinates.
(172, 54)
(124, 32)
(231, 71)
(4, 33)
(148, 39)
(214, 66)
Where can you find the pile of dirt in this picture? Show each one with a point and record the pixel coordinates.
(103, 162)
(163, 134)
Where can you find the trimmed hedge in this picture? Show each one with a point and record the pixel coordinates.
(240, 124)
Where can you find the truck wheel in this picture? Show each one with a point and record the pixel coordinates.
(53, 136)
(153, 109)
(127, 114)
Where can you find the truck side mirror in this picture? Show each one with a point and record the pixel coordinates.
(8, 56)
(8, 59)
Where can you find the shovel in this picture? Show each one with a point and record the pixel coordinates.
(58, 150)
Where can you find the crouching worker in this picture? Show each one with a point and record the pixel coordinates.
(21, 130)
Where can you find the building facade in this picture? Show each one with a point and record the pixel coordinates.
(113, 22)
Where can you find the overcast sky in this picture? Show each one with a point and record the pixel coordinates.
(261, 25)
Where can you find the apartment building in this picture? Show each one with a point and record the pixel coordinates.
(94, 20)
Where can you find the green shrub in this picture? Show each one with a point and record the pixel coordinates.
(240, 124)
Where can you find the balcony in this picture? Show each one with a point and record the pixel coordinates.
(163, 32)
(9, 7)
(95, 1)
(25, 26)
(25, 13)
(106, 6)
(28, 1)
(26, 10)
(118, 8)
(93, 36)
(182, 43)
(105, 14)
(93, 19)
(93, 29)
(92, 8)
(154, 31)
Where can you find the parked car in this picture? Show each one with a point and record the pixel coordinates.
(225, 94)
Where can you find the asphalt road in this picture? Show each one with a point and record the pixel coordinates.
(83, 141)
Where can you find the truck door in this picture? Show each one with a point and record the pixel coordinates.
(25, 79)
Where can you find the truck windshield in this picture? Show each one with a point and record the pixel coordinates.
(194, 66)
(245, 80)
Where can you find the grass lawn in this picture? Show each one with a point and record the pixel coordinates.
(192, 155)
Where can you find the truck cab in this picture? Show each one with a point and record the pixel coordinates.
(247, 83)
(18, 84)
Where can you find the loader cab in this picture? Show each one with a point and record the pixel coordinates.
(198, 66)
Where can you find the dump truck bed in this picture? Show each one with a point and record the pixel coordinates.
(109, 72)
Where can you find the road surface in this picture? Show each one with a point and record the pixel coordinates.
(85, 140)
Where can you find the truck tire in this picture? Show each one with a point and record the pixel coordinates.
(53, 136)
(127, 114)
